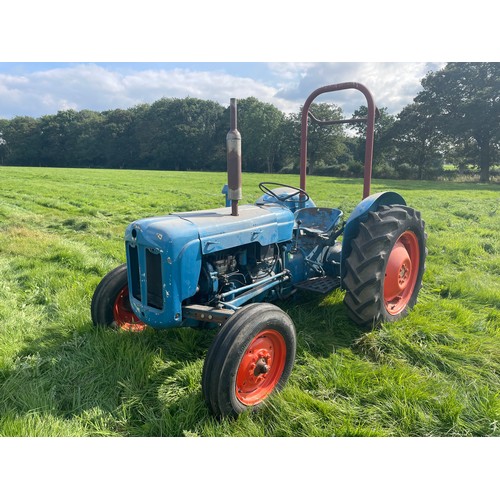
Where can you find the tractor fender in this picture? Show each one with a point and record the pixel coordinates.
(359, 214)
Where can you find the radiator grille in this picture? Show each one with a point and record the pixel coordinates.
(139, 258)
(153, 275)
(134, 272)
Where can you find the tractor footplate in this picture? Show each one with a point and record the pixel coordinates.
(320, 284)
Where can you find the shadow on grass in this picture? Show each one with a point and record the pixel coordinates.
(116, 383)
(104, 380)
(322, 323)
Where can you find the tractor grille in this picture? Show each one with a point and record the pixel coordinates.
(134, 272)
(139, 258)
(153, 274)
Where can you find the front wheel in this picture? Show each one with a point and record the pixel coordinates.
(250, 358)
(385, 267)
(111, 304)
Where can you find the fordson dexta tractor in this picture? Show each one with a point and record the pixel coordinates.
(225, 267)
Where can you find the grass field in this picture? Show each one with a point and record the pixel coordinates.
(435, 373)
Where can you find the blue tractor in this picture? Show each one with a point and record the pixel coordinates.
(225, 267)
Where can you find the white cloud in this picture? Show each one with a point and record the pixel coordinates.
(94, 87)
(291, 70)
(393, 85)
(286, 85)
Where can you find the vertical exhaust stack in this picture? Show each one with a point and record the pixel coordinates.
(233, 143)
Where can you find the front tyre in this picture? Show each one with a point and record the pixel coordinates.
(251, 357)
(385, 267)
(111, 304)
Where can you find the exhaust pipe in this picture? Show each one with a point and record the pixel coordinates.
(233, 144)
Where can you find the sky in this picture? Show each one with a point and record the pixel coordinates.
(118, 53)
(39, 88)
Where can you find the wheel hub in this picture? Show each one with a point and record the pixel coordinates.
(401, 273)
(398, 271)
(260, 367)
(255, 365)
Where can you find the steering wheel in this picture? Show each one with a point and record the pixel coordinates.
(263, 187)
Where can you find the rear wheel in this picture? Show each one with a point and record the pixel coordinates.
(251, 357)
(111, 304)
(385, 267)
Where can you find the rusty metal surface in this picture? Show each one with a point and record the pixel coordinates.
(207, 314)
(233, 143)
(370, 121)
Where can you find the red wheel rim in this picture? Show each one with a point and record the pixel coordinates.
(123, 315)
(260, 367)
(401, 273)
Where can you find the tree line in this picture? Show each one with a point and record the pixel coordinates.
(455, 118)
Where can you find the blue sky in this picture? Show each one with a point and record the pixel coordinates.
(40, 88)
(93, 32)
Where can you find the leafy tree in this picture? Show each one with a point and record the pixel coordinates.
(383, 147)
(3, 142)
(119, 147)
(87, 139)
(179, 133)
(462, 154)
(325, 143)
(57, 139)
(288, 154)
(463, 100)
(71, 138)
(261, 130)
(132, 137)
(418, 144)
(21, 137)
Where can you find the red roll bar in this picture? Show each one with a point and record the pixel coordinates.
(370, 122)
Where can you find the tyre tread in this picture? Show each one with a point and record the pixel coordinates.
(367, 260)
(222, 354)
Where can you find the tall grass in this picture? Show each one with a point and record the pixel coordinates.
(435, 373)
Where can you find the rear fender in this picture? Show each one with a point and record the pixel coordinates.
(360, 213)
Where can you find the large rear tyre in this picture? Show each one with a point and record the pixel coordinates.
(385, 267)
(251, 357)
(111, 305)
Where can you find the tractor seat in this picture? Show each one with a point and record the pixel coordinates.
(316, 221)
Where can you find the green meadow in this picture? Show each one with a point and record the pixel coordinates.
(435, 373)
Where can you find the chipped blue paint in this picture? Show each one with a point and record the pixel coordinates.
(182, 239)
